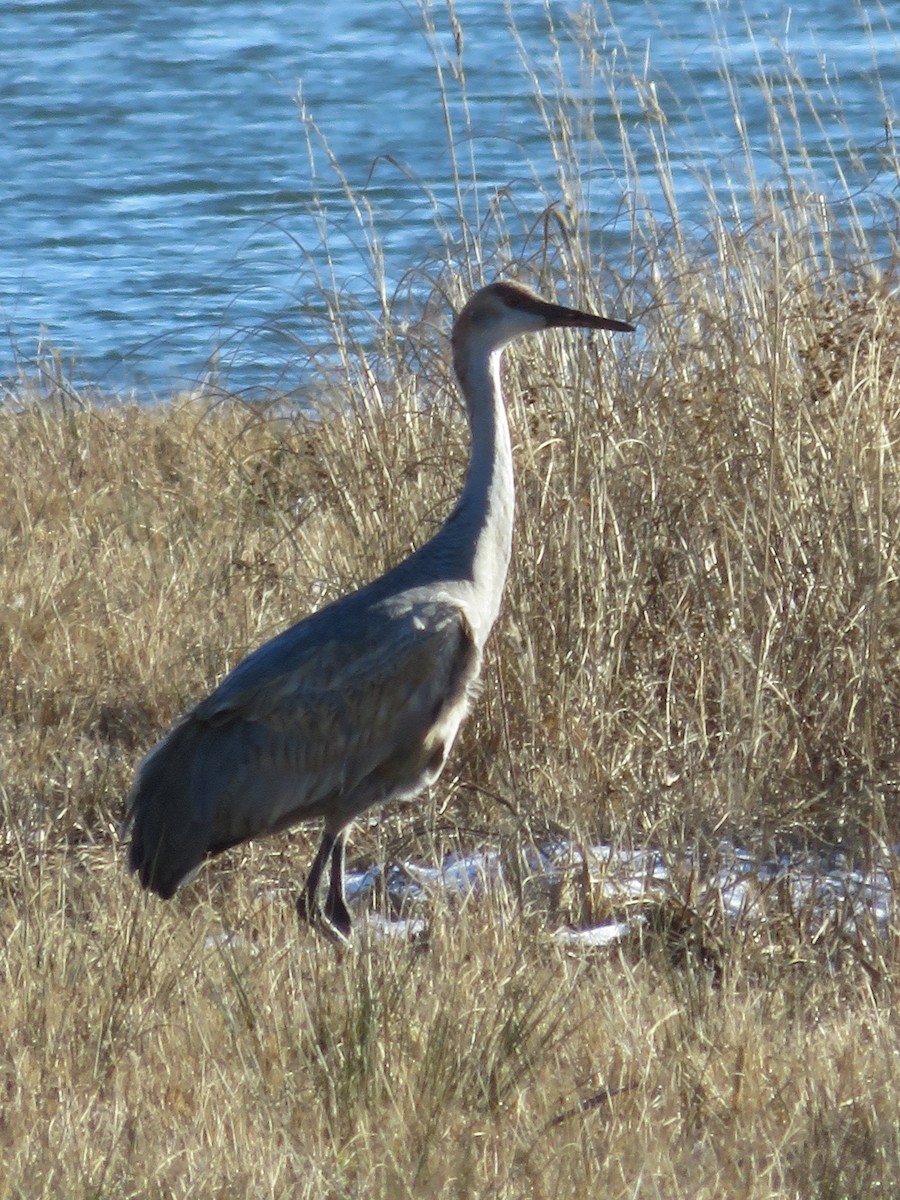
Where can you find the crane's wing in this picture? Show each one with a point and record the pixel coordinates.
(325, 720)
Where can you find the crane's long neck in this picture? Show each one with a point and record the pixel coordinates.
(479, 531)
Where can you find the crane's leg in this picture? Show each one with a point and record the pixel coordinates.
(336, 911)
(308, 900)
(336, 923)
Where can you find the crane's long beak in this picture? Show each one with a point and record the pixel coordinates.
(558, 315)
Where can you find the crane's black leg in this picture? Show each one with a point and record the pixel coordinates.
(307, 901)
(336, 911)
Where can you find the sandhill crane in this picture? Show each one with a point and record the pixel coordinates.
(360, 702)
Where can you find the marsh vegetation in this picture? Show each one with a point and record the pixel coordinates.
(698, 650)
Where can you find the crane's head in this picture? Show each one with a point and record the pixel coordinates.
(502, 311)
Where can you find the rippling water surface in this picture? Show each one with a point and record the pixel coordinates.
(160, 203)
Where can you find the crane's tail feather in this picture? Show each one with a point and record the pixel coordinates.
(168, 841)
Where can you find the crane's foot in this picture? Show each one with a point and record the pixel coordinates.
(334, 923)
(337, 917)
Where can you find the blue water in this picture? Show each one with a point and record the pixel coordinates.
(161, 210)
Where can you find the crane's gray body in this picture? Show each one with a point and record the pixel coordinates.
(360, 702)
(314, 724)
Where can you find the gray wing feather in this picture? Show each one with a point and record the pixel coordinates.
(298, 731)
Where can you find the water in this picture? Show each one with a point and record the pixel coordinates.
(161, 207)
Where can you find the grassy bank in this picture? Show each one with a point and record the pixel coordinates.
(698, 645)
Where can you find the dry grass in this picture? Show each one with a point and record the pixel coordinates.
(698, 643)
(143, 1057)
